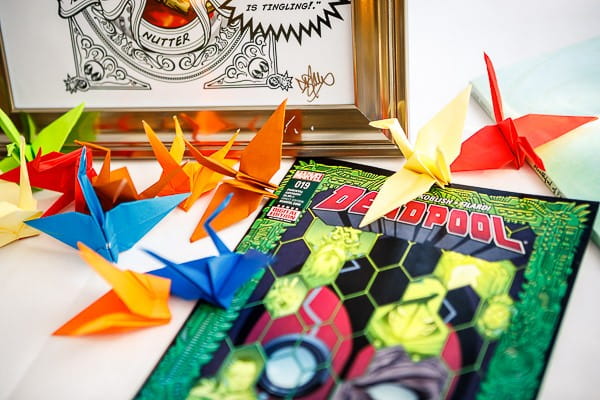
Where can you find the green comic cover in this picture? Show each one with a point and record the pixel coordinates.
(452, 296)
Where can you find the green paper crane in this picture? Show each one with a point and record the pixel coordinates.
(49, 139)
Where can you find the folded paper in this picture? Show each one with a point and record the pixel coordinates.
(50, 138)
(250, 183)
(114, 187)
(135, 301)
(213, 279)
(189, 177)
(56, 172)
(427, 163)
(17, 205)
(106, 232)
(511, 140)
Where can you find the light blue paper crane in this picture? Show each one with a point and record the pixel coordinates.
(107, 233)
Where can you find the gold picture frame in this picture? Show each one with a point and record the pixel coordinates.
(380, 74)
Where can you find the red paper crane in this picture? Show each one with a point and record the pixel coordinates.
(495, 146)
(57, 172)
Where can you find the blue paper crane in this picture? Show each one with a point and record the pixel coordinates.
(214, 279)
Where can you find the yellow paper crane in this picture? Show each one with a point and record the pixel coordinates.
(427, 163)
(17, 205)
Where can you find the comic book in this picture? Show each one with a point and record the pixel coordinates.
(456, 295)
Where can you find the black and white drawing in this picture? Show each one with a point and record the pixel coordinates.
(178, 54)
(126, 44)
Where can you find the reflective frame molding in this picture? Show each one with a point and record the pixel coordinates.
(380, 74)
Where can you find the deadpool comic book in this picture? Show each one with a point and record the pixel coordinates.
(451, 296)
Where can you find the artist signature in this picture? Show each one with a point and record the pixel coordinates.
(311, 83)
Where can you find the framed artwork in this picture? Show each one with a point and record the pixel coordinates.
(339, 63)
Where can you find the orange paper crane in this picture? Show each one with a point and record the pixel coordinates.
(495, 146)
(135, 301)
(190, 177)
(116, 186)
(258, 163)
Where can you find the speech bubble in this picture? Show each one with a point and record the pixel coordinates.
(284, 18)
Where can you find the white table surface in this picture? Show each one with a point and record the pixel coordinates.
(44, 283)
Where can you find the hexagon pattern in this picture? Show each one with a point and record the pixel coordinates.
(357, 293)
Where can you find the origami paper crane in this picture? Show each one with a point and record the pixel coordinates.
(57, 172)
(17, 205)
(213, 279)
(114, 187)
(511, 141)
(49, 139)
(135, 301)
(190, 177)
(111, 232)
(428, 163)
(258, 163)
(86, 128)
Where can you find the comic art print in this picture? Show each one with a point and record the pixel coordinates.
(134, 53)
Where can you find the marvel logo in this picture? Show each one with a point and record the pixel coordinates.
(308, 176)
